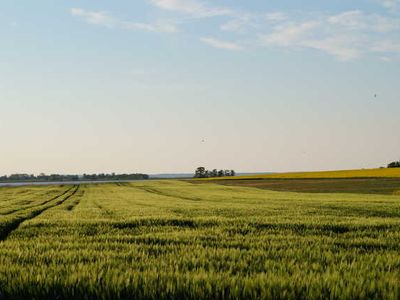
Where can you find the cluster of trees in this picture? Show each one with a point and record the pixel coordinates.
(201, 172)
(395, 164)
(56, 177)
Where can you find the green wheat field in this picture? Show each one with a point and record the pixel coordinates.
(179, 240)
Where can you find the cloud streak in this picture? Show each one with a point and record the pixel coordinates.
(94, 17)
(106, 20)
(347, 35)
(390, 4)
(193, 8)
(220, 44)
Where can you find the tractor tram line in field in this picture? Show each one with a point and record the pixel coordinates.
(104, 211)
(15, 223)
(37, 205)
(165, 194)
(74, 204)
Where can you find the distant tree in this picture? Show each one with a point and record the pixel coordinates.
(200, 172)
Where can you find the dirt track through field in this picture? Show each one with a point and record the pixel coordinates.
(14, 224)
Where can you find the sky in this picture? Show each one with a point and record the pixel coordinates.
(160, 86)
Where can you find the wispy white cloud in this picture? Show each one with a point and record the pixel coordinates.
(275, 16)
(193, 8)
(351, 19)
(386, 46)
(104, 19)
(220, 44)
(391, 4)
(305, 35)
(358, 20)
(290, 34)
(346, 36)
(94, 17)
(342, 47)
(154, 27)
(239, 25)
(386, 59)
(242, 22)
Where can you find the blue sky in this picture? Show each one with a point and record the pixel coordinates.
(125, 86)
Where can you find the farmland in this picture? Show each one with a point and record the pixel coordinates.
(341, 174)
(384, 186)
(175, 239)
(366, 181)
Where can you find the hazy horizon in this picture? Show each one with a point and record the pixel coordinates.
(165, 86)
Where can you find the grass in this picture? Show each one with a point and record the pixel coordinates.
(174, 239)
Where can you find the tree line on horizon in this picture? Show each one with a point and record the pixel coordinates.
(201, 172)
(57, 177)
(394, 164)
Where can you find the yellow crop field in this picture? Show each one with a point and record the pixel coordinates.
(363, 173)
